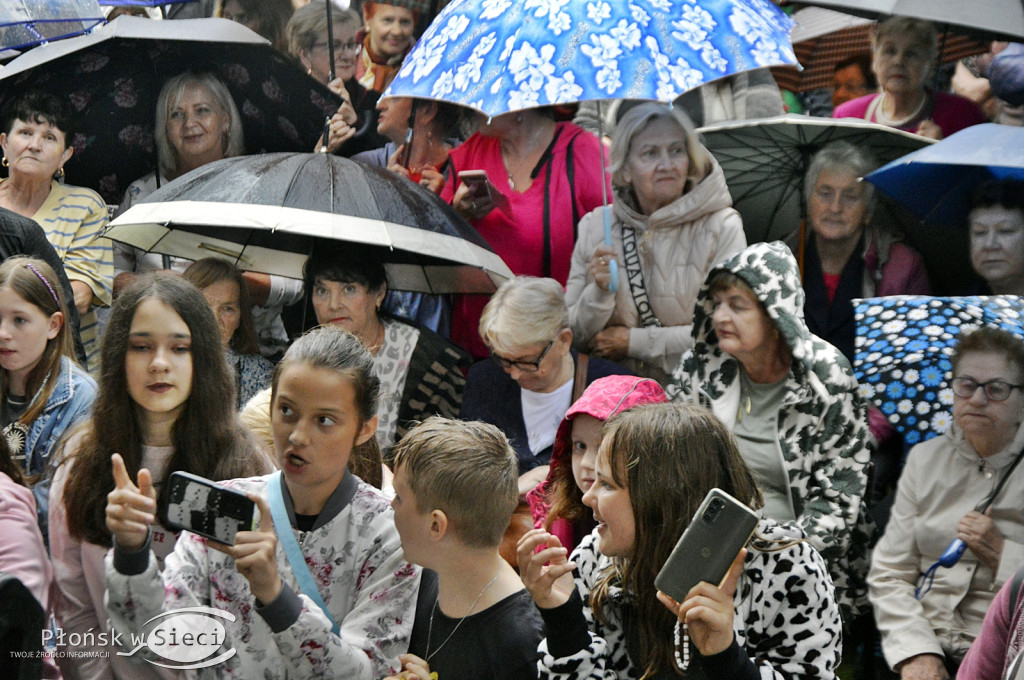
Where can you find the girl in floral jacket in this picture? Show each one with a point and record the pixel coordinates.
(323, 407)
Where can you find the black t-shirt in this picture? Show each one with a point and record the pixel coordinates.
(499, 643)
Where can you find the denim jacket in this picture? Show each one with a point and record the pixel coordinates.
(69, 403)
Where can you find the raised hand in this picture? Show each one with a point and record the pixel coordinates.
(254, 555)
(130, 508)
(546, 574)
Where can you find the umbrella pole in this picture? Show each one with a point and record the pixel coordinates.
(613, 267)
(330, 46)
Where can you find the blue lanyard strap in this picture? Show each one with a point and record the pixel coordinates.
(292, 551)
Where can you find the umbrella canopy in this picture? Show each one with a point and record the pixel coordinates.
(904, 349)
(498, 56)
(935, 183)
(112, 79)
(765, 161)
(24, 23)
(823, 38)
(142, 3)
(266, 213)
(984, 18)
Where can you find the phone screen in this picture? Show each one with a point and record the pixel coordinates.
(200, 506)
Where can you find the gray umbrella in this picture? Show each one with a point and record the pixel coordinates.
(988, 18)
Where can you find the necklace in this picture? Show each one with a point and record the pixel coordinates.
(884, 118)
(378, 339)
(430, 628)
(508, 170)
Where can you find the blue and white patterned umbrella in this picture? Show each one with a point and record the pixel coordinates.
(498, 56)
(903, 351)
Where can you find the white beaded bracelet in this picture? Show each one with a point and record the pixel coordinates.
(682, 643)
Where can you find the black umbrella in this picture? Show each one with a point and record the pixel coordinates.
(267, 213)
(112, 78)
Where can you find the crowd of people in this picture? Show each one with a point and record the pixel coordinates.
(488, 486)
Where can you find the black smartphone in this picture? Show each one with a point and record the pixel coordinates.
(706, 550)
(203, 507)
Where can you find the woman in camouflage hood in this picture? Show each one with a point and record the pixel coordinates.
(792, 402)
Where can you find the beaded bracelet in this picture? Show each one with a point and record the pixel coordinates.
(682, 643)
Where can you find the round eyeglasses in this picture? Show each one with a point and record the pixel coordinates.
(995, 390)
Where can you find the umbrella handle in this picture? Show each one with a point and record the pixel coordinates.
(613, 266)
(954, 551)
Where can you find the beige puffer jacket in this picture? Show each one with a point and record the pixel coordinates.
(679, 244)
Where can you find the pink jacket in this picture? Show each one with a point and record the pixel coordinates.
(22, 551)
(602, 399)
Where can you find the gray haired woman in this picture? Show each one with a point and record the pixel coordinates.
(533, 374)
(672, 220)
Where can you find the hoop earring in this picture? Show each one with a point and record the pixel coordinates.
(4, 162)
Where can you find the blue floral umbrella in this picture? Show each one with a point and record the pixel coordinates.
(498, 56)
(904, 348)
(24, 23)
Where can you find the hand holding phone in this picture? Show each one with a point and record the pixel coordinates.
(476, 180)
(717, 532)
(203, 507)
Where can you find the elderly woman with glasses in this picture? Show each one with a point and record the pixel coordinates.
(944, 482)
(354, 126)
(534, 375)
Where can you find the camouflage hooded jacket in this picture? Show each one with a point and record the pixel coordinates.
(822, 421)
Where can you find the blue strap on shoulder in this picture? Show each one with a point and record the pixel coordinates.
(291, 547)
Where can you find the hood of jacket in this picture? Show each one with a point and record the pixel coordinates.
(707, 196)
(772, 273)
(602, 399)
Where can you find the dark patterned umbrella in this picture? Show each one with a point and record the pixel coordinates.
(267, 213)
(112, 78)
(904, 345)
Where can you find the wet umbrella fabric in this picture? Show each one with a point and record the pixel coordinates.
(112, 78)
(935, 183)
(984, 19)
(24, 23)
(765, 162)
(903, 353)
(498, 56)
(266, 213)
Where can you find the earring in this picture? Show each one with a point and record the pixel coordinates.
(60, 172)
(4, 162)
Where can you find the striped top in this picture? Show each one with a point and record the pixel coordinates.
(73, 219)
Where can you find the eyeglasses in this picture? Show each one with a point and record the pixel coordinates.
(352, 47)
(996, 390)
(847, 199)
(524, 366)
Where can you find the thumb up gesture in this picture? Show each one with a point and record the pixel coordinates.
(130, 508)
